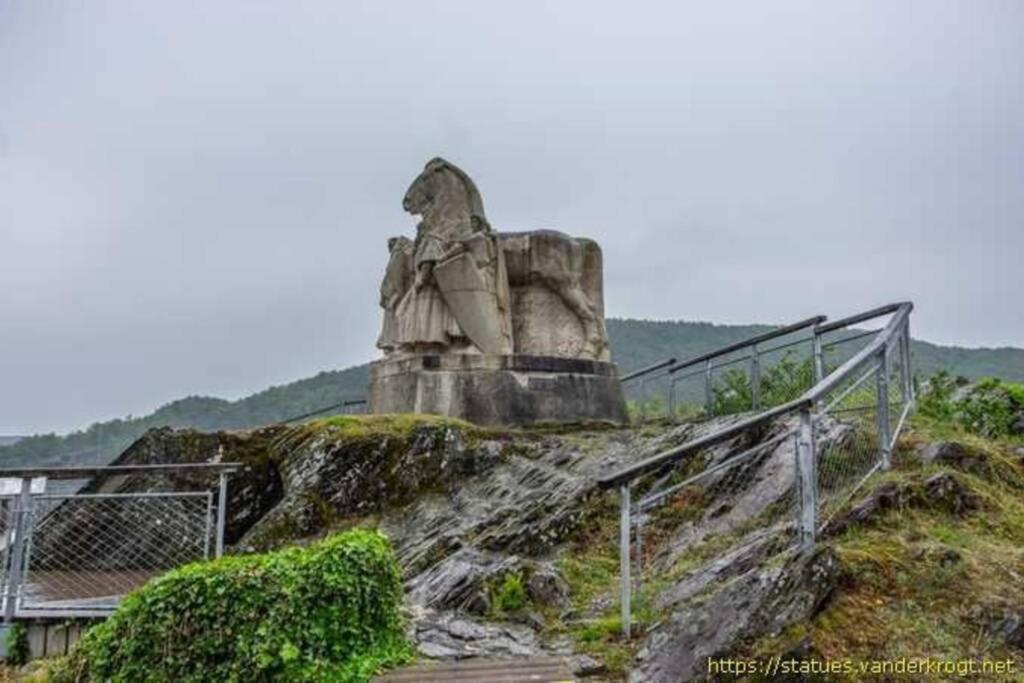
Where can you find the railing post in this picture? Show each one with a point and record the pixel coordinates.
(22, 520)
(624, 556)
(807, 474)
(672, 398)
(222, 508)
(709, 400)
(755, 378)
(639, 541)
(819, 357)
(643, 399)
(908, 376)
(882, 375)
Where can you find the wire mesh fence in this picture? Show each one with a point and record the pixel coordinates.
(93, 549)
(840, 409)
(68, 554)
(855, 426)
(753, 374)
(731, 498)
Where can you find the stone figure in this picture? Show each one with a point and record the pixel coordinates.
(459, 299)
(398, 278)
(570, 268)
(462, 288)
(495, 328)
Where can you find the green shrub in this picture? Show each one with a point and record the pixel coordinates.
(780, 383)
(326, 612)
(990, 407)
(936, 396)
(511, 595)
(17, 644)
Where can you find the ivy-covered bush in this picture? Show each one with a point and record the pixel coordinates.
(17, 644)
(328, 612)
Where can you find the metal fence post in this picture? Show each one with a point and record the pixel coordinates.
(908, 377)
(882, 374)
(709, 401)
(222, 507)
(819, 357)
(639, 541)
(806, 467)
(755, 377)
(624, 556)
(672, 399)
(643, 399)
(14, 571)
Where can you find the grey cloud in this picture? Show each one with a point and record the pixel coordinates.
(194, 196)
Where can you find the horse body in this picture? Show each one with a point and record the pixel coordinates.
(451, 206)
(558, 261)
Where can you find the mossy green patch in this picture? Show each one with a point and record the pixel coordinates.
(925, 580)
(362, 426)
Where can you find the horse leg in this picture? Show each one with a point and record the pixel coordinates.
(570, 291)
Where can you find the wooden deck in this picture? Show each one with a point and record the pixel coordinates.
(531, 670)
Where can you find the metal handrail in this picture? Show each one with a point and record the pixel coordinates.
(87, 472)
(674, 367)
(808, 399)
(648, 370)
(750, 341)
(861, 317)
(889, 332)
(893, 337)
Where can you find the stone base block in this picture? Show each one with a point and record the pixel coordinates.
(498, 390)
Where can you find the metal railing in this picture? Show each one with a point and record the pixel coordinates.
(740, 364)
(355, 406)
(77, 553)
(827, 443)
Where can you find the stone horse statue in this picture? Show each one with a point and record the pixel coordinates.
(458, 257)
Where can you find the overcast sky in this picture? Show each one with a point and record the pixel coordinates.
(195, 196)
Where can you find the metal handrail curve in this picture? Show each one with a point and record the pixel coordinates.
(813, 321)
(901, 312)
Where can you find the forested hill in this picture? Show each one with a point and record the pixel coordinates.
(8, 440)
(635, 343)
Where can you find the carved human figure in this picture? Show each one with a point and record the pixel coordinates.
(398, 278)
(459, 299)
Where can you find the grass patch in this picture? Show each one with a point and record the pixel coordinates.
(399, 425)
(922, 580)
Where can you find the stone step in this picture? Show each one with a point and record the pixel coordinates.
(524, 670)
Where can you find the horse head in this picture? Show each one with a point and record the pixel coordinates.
(444, 181)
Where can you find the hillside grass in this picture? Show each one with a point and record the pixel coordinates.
(924, 581)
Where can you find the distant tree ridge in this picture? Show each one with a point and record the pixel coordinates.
(635, 343)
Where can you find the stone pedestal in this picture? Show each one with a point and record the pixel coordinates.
(486, 389)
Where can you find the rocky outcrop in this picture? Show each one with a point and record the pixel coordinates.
(941, 490)
(465, 508)
(758, 601)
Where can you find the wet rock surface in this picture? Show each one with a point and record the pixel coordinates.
(761, 600)
(942, 489)
(953, 453)
(450, 635)
(465, 509)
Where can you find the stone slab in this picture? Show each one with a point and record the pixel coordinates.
(496, 390)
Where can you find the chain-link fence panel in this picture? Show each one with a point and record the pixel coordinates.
(89, 550)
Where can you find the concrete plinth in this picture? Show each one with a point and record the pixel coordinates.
(498, 390)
